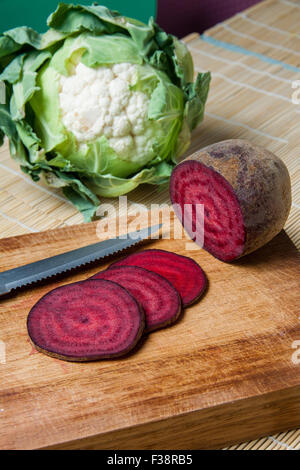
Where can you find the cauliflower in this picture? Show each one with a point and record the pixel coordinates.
(99, 103)
(102, 101)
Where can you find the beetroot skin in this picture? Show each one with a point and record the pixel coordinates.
(246, 192)
(158, 298)
(183, 273)
(86, 321)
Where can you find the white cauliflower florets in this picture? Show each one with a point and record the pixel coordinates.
(100, 101)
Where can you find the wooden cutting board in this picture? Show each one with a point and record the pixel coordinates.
(224, 373)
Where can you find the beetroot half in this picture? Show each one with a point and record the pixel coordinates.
(158, 298)
(246, 193)
(183, 273)
(86, 321)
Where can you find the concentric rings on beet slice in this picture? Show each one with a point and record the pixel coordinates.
(86, 321)
(159, 299)
(194, 183)
(185, 274)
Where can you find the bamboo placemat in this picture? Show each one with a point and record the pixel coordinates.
(254, 57)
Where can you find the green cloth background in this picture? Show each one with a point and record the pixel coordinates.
(34, 13)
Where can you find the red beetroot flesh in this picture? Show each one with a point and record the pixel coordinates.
(194, 183)
(158, 298)
(85, 321)
(183, 273)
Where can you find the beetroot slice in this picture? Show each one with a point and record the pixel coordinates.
(183, 273)
(86, 321)
(158, 298)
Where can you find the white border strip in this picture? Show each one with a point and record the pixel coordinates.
(12, 219)
(240, 64)
(259, 41)
(245, 126)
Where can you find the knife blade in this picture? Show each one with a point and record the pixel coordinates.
(39, 270)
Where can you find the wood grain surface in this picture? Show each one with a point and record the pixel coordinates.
(223, 372)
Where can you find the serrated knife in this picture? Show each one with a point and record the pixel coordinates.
(39, 270)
